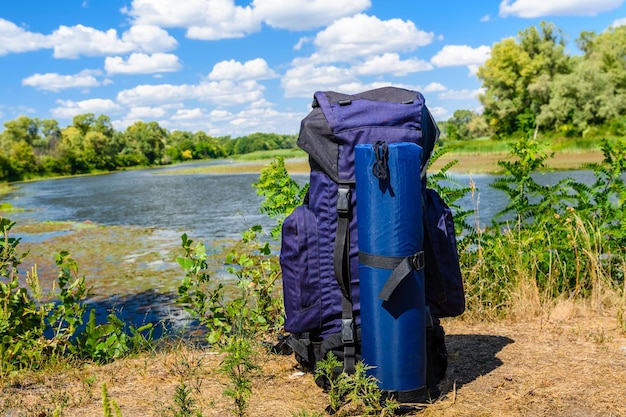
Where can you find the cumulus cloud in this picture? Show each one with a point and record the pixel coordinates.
(203, 19)
(540, 8)
(149, 39)
(57, 82)
(391, 63)
(439, 113)
(306, 14)
(14, 39)
(223, 92)
(363, 35)
(146, 113)
(302, 81)
(67, 109)
(619, 22)
(222, 19)
(189, 114)
(464, 94)
(256, 69)
(139, 63)
(460, 55)
(71, 42)
(433, 87)
(74, 41)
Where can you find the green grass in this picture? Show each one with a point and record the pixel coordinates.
(262, 155)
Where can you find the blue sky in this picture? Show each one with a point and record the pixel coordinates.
(235, 67)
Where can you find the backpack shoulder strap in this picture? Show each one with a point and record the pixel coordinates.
(341, 263)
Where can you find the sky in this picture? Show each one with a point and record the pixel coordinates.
(236, 67)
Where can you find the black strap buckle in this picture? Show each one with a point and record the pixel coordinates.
(417, 260)
(347, 330)
(343, 199)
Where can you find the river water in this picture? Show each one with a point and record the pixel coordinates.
(210, 206)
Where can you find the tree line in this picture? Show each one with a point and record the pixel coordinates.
(531, 83)
(32, 147)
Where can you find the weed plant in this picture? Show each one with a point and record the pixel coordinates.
(358, 389)
(38, 328)
(550, 241)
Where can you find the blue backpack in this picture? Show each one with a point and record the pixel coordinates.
(319, 249)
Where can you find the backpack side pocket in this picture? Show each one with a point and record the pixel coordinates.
(444, 283)
(299, 261)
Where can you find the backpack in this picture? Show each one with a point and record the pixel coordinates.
(319, 254)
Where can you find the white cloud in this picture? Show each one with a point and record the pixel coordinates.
(222, 19)
(14, 39)
(58, 82)
(619, 22)
(189, 114)
(144, 94)
(439, 113)
(301, 42)
(224, 93)
(68, 109)
(434, 87)
(242, 23)
(220, 115)
(391, 63)
(146, 113)
(306, 14)
(265, 119)
(539, 8)
(139, 63)
(149, 38)
(256, 69)
(464, 94)
(302, 81)
(363, 35)
(460, 55)
(74, 41)
(204, 19)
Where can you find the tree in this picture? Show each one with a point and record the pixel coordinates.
(594, 93)
(456, 128)
(148, 139)
(517, 77)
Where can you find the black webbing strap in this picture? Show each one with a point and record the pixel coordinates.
(434, 267)
(341, 263)
(299, 346)
(402, 267)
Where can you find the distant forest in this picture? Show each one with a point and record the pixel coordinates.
(31, 147)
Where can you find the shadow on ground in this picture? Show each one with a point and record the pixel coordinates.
(471, 356)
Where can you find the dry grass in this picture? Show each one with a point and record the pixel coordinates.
(568, 362)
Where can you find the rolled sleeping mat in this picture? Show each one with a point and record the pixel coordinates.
(390, 238)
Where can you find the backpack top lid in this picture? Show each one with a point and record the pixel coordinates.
(322, 130)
